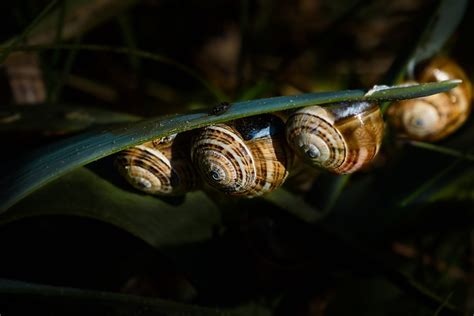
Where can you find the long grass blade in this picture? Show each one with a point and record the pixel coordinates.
(47, 164)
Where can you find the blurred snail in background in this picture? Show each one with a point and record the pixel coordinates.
(340, 139)
(434, 117)
(160, 167)
(247, 157)
(26, 78)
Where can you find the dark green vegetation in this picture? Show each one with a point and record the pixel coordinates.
(75, 238)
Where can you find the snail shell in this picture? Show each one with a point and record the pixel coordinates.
(26, 78)
(341, 139)
(436, 116)
(160, 167)
(248, 157)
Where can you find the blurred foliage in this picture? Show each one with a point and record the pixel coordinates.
(396, 238)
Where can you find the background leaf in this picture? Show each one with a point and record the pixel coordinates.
(438, 26)
(442, 24)
(159, 222)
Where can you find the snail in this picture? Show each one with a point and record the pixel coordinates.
(160, 167)
(247, 157)
(340, 139)
(434, 117)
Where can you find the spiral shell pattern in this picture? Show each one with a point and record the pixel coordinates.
(436, 116)
(340, 139)
(248, 157)
(159, 167)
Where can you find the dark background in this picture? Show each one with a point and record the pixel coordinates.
(261, 260)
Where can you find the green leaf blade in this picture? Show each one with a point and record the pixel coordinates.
(47, 164)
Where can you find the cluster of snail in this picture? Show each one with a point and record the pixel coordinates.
(252, 156)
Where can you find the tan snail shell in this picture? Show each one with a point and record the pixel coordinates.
(340, 139)
(248, 157)
(160, 167)
(436, 116)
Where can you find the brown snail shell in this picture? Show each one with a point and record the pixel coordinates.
(436, 116)
(340, 139)
(160, 167)
(25, 77)
(248, 157)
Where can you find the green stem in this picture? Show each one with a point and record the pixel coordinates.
(56, 90)
(429, 297)
(427, 185)
(445, 302)
(53, 80)
(128, 36)
(442, 150)
(336, 192)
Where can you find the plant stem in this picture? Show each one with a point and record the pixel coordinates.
(442, 150)
(428, 184)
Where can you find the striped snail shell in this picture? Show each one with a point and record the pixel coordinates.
(436, 116)
(248, 157)
(160, 167)
(340, 139)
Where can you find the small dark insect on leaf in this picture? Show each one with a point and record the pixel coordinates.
(220, 108)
